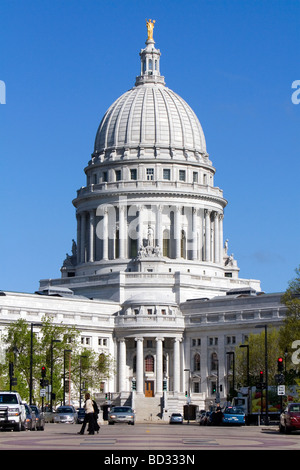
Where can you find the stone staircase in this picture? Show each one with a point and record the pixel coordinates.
(147, 409)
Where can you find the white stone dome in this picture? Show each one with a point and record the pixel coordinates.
(148, 115)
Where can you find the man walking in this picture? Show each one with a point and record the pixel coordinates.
(89, 415)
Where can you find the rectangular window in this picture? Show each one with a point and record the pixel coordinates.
(195, 177)
(166, 174)
(150, 174)
(118, 175)
(133, 174)
(181, 175)
(104, 177)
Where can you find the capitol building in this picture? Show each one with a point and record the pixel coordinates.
(150, 278)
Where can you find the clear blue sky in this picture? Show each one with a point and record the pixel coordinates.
(65, 62)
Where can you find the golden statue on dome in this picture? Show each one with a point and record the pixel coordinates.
(150, 26)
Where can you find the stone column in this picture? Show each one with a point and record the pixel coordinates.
(139, 366)
(122, 365)
(221, 216)
(159, 231)
(82, 238)
(159, 365)
(216, 239)
(141, 228)
(177, 232)
(92, 236)
(207, 235)
(194, 233)
(176, 365)
(122, 235)
(78, 217)
(105, 235)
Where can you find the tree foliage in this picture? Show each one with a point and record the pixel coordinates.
(290, 331)
(53, 344)
(256, 344)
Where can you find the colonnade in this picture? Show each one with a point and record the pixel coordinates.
(109, 232)
(140, 373)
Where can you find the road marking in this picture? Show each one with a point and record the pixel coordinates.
(200, 442)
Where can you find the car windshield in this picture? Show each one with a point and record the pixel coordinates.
(234, 411)
(176, 414)
(121, 409)
(64, 410)
(295, 408)
(8, 399)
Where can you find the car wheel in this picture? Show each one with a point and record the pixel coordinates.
(281, 428)
(18, 427)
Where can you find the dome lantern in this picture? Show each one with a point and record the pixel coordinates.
(150, 58)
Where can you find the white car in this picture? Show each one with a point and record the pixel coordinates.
(176, 418)
(65, 414)
(12, 411)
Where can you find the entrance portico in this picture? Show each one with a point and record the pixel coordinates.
(154, 363)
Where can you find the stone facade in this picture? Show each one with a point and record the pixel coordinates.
(150, 278)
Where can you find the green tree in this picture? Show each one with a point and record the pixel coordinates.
(290, 331)
(63, 343)
(256, 343)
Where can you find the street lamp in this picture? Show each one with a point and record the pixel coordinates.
(65, 351)
(248, 362)
(189, 393)
(51, 365)
(81, 357)
(266, 369)
(231, 353)
(248, 376)
(31, 360)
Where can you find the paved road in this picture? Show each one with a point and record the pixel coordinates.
(185, 438)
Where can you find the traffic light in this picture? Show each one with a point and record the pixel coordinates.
(280, 364)
(43, 371)
(261, 376)
(133, 384)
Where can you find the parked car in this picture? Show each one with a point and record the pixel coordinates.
(205, 418)
(12, 411)
(290, 418)
(80, 415)
(39, 418)
(121, 414)
(65, 414)
(234, 415)
(176, 418)
(30, 422)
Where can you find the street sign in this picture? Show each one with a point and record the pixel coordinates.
(281, 390)
(42, 392)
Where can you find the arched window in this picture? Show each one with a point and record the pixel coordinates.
(117, 242)
(183, 244)
(197, 362)
(149, 363)
(214, 362)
